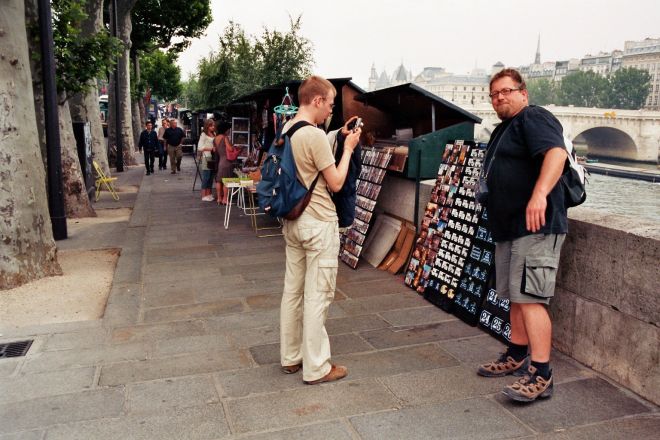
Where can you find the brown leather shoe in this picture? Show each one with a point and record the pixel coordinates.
(336, 372)
(290, 369)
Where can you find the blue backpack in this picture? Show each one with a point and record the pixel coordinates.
(280, 192)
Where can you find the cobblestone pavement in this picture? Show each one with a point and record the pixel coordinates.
(188, 349)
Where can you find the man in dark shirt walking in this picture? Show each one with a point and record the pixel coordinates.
(527, 215)
(149, 144)
(174, 138)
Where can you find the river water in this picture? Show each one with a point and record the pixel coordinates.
(615, 195)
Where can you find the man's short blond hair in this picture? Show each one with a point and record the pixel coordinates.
(312, 87)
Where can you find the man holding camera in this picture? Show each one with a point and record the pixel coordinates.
(527, 217)
(312, 240)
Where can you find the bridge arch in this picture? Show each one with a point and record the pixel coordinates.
(607, 142)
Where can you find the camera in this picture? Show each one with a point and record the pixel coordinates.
(355, 124)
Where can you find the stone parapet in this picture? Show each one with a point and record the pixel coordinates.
(606, 311)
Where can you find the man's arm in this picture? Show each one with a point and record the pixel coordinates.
(336, 175)
(551, 169)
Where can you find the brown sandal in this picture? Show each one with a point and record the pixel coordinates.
(291, 369)
(336, 372)
(503, 366)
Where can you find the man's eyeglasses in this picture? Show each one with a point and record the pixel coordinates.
(325, 100)
(505, 92)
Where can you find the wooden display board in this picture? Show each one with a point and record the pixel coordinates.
(374, 164)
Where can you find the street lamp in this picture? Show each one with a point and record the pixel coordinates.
(53, 148)
(118, 139)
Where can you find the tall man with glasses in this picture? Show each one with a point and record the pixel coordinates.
(312, 240)
(527, 215)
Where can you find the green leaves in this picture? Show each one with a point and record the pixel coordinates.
(583, 89)
(78, 59)
(542, 91)
(168, 24)
(160, 72)
(245, 63)
(627, 88)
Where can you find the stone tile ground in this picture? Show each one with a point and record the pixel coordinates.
(189, 346)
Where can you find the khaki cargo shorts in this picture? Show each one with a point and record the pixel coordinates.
(526, 268)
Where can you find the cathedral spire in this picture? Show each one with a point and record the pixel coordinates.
(537, 60)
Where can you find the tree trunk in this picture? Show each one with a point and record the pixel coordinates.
(32, 23)
(138, 118)
(124, 28)
(28, 249)
(85, 106)
(76, 201)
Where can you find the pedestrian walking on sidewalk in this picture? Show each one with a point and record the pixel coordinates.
(527, 215)
(205, 150)
(312, 240)
(174, 138)
(162, 145)
(149, 144)
(221, 144)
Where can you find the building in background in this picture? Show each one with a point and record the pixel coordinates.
(472, 88)
(645, 55)
(603, 63)
(468, 89)
(401, 75)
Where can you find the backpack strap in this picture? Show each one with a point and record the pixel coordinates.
(295, 127)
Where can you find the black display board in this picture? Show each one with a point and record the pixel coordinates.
(454, 258)
(374, 164)
(449, 285)
(436, 215)
(494, 316)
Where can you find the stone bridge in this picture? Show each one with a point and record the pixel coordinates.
(632, 135)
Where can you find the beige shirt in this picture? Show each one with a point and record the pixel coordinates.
(313, 154)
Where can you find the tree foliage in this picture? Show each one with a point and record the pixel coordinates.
(629, 88)
(583, 89)
(161, 74)
(542, 91)
(168, 24)
(79, 59)
(245, 63)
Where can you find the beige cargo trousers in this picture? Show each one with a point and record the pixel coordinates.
(312, 249)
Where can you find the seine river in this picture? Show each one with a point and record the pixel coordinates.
(624, 196)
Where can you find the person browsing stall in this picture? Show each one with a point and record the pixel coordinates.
(204, 150)
(527, 217)
(222, 145)
(312, 240)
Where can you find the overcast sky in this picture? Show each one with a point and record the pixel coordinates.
(349, 35)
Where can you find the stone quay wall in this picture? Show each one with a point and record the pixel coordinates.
(606, 310)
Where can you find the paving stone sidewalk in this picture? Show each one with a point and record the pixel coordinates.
(188, 349)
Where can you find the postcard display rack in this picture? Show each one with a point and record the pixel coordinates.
(374, 164)
(240, 133)
(454, 256)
